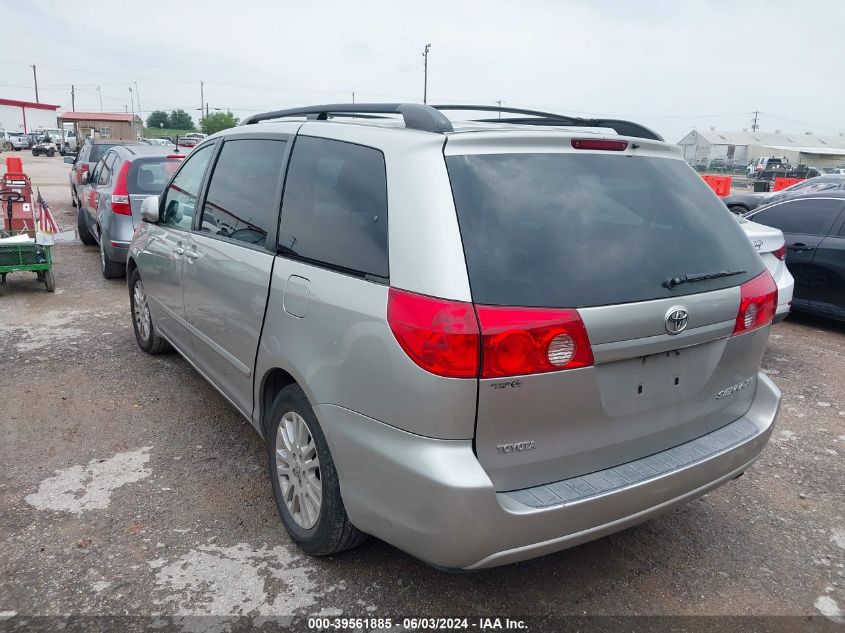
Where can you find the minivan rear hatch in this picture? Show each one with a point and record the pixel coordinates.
(551, 232)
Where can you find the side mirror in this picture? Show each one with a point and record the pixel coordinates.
(83, 177)
(149, 209)
(70, 160)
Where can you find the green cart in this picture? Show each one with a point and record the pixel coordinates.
(18, 257)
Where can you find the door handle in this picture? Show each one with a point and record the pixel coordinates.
(798, 247)
(192, 253)
(179, 250)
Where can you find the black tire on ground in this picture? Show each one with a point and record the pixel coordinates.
(153, 343)
(333, 532)
(110, 269)
(35, 152)
(39, 275)
(51, 152)
(82, 228)
(49, 281)
(738, 209)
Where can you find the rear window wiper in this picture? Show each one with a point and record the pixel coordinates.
(671, 282)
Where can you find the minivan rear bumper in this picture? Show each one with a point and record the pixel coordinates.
(433, 499)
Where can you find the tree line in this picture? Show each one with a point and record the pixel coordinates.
(181, 120)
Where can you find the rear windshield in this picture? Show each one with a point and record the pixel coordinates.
(99, 150)
(149, 175)
(566, 230)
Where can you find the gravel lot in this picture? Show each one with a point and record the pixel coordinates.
(129, 486)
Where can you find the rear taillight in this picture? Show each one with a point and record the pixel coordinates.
(447, 338)
(781, 252)
(438, 335)
(83, 168)
(598, 143)
(120, 194)
(518, 341)
(758, 303)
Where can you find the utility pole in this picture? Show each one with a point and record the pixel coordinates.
(100, 93)
(353, 96)
(73, 98)
(35, 78)
(202, 97)
(138, 98)
(425, 72)
(206, 109)
(500, 105)
(754, 125)
(132, 103)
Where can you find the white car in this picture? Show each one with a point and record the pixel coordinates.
(771, 245)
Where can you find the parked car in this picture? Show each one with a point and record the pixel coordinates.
(187, 141)
(89, 155)
(159, 142)
(5, 140)
(742, 203)
(814, 227)
(111, 200)
(771, 244)
(763, 164)
(836, 171)
(718, 164)
(18, 141)
(386, 305)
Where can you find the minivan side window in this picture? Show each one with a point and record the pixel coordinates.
(334, 210)
(241, 199)
(812, 216)
(180, 198)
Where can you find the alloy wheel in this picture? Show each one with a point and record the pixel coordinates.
(298, 470)
(141, 310)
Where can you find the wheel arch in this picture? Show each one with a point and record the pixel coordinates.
(273, 381)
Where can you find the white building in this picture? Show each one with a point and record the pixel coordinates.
(702, 146)
(25, 116)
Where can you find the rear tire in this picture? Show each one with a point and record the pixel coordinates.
(51, 153)
(142, 321)
(82, 228)
(110, 269)
(738, 209)
(299, 462)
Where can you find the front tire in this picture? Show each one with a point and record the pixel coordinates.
(142, 321)
(82, 228)
(304, 479)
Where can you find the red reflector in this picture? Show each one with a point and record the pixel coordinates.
(780, 253)
(758, 303)
(518, 341)
(120, 195)
(598, 143)
(440, 336)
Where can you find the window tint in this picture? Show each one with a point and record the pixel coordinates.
(98, 151)
(811, 217)
(106, 169)
(149, 175)
(240, 203)
(335, 206)
(577, 230)
(180, 199)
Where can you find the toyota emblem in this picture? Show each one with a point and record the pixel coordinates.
(676, 320)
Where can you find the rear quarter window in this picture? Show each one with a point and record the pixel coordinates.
(335, 206)
(577, 230)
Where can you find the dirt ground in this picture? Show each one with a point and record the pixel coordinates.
(128, 486)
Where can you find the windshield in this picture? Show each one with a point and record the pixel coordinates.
(567, 230)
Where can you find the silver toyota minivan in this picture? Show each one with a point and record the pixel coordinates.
(480, 341)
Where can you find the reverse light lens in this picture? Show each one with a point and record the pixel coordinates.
(758, 303)
(439, 335)
(600, 144)
(519, 341)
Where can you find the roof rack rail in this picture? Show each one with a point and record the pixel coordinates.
(417, 116)
(536, 117)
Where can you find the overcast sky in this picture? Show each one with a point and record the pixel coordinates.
(670, 64)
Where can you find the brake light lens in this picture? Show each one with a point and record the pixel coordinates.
(598, 143)
(758, 303)
(518, 341)
(83, 168)
(120, 194)
(781, 252)
(440, 336)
